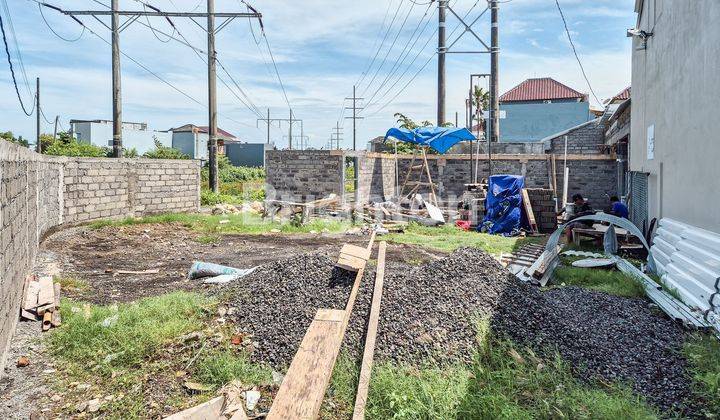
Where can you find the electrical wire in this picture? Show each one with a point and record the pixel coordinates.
(398, 93)
(577, 57)
(11, 26)
(405, 52)
(57, 34)
(12, 71)
(147, 19)
(387, 53)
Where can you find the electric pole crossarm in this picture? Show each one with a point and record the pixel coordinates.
(468, 28)
(139, 13)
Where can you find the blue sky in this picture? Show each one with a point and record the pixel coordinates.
(321, 48)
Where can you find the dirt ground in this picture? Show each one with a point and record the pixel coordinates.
(94, 256)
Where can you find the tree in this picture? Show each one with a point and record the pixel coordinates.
(163, 152)
(8, 136)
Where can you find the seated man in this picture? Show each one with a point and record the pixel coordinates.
(581, 207)
(618, 208)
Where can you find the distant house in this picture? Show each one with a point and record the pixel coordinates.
(134, 135)
(538, 108)
(193, 140)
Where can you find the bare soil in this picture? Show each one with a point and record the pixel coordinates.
(96, 256)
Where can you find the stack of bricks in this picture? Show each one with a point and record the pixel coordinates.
(543, 206)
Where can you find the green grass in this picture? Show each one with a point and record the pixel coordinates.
(503, 382)
(609, 281)
(211, 228)
(703, 353)
(449, 238)
(72, 284)
(132, 352)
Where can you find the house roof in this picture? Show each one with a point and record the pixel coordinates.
(623, 95)
(544, 88)
(201, 129)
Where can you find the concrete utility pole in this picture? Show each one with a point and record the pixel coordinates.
(132, 16)
(117, 98)
(38, 147)
(57, 117)
(268, 127)
(442, 4)
(494, 76)
(354, 116)
(212, 96)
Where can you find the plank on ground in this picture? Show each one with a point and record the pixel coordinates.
(301, 392)
(369, 350)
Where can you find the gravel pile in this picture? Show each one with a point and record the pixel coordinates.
(428, 314)
(277, 302)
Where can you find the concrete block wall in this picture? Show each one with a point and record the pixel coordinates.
(586, 139)
(39, 193)
(304, 175)
(376, 181)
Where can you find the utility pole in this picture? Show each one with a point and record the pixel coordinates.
(268, 126)
(38, 146)
(212, 96)
(290, 129)
(132, 16)
(442, 4)
(116, 88)
(494, 76)
(354, 116)
(290, 120)
(57, 117)
(336, 136)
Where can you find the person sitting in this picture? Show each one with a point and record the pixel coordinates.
(581, 207)
(618, 208)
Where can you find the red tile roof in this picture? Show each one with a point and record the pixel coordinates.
(540, 89)
(625, 94)
(201, 129)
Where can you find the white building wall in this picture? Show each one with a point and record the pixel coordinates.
(101, 134)
(675, 91)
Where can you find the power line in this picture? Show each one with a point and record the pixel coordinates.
(384, 60)
(11, 25)
(12, 70)
(577, 57)
(377, 52)
(40, 8)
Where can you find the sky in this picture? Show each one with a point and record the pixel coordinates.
(321, 49)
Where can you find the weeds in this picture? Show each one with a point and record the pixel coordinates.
(220, 367)
(72, 284)
(449, 238)
(608, 281)
(703, 353)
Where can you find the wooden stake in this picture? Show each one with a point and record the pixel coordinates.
(369, 351)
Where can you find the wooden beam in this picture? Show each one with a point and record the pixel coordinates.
(369, 351)
(303, 389)
(499, 156)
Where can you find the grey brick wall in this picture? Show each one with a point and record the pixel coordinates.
(303, 175)
(585, 140)
(38, 193)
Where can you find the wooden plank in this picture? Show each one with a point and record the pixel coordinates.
(350, 263)
(356, 251)
(31, 296)
(529, 210)
(56, 320)
(210, 410)
(46, 295)
(303, 388)
(369, 350)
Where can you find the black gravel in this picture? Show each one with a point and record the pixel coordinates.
(428, 314)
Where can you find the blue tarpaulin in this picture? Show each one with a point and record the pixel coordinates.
(439, 138)
(502, 215)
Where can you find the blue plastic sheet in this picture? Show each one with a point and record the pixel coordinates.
(502, 205)
(439, 138)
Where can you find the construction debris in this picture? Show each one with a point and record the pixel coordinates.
(42, 302)
(216, 273)
(23, 361)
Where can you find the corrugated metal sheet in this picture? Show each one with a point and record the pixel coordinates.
(539, 90)
(688, 262)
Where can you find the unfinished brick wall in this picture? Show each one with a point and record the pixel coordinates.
(586, 139)
(38, 193)
(303, 175)
(376, 180)
(96, 189)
